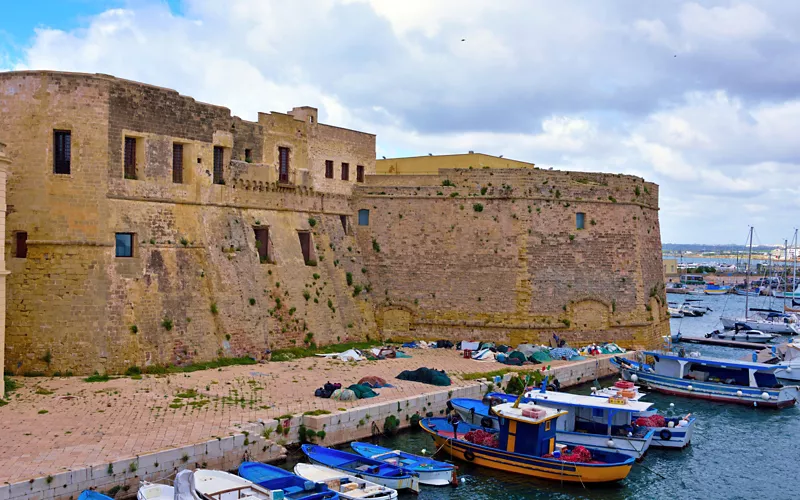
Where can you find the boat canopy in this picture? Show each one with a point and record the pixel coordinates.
(577, 400)
(720, 362)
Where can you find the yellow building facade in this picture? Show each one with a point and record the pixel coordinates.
(430, 165)
(670, 267)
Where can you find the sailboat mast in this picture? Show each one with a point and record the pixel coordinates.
(785, 271)
(747, 277)
(794, 272)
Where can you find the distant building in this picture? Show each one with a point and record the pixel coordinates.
(430, 165)
(670, 267)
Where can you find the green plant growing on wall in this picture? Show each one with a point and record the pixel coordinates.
(478, 207)
(152, 241)
(592, 222)
(252, 301)
(312, 221)
(375, 245)
(184, 242)
(167, 324)
(483, 190)
(315, 276)
(349, 277)
(134, 329)
(48, 357)
(571, 237)
(448, 182)
(357, 290)
(306, 295)
(566, 322)
(636, 191)
(612, 199)
(214, 309)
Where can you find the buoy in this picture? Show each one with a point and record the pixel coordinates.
(755, 403)
(463, 480)
(424, 451)
(556, 454)
(788, 369)
(765, 396)
(634, 378)
(690, 388)
(594, 389)
(739, 393)
(630, 434)
(672, 405)
(611, 443)
(671, 425)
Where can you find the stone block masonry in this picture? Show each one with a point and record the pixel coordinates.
(242, 239)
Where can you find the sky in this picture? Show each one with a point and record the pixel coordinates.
(702, 98)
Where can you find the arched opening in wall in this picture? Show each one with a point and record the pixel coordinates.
(396, 322)
(589, 314)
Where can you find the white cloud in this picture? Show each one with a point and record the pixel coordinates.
(699, 98)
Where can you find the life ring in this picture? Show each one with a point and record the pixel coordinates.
(665, 434)
(469, 456)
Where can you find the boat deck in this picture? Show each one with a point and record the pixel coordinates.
(724, 343)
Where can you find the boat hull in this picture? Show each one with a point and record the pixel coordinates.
(367, 489)
(765, 326)
(793, 374)
(676, 437)
(529, 466)
(750, 396)
(410, 483)
(431, 472)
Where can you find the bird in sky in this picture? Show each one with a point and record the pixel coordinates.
(463, 39)
(384, 157)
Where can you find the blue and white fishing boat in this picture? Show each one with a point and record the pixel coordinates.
(389, 475)
(93, 495)
(431, 472)
(274, 483)
(348, 487)
(588, 421)
(294, 487)
(716, 379)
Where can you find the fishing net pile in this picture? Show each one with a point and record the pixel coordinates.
(651, 421)
(362, 391)
(579, 454)
(483, 438)
(426, 376)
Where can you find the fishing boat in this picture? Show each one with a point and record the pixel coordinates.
(677, 288)
(525, 444)
(93, 495)
(349, 487)
(712, 289)
(742, 333)
(582, 423)
(294, 487)
(184, 489)
(431, 472)
(675, 312)
(725, 380)
(218, 485)
(389, 475)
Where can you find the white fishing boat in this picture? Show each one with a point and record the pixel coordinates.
(675, 312)
(218, 485)
(349, 487)
(742, 333)
(184, 489)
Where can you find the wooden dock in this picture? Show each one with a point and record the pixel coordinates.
(725, 343)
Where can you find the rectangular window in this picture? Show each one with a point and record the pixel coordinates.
(283, 165)
(62, 151)
(359, 173)
(579, 220)
(329, 169)
(363, 217)
(124, 244)
(547, 426)
(21, 245)
(305, 247)
(344, 222)
(219, 171)
(262, 244)
(345, 171)
(177, 163)
(130, 158)
(248, 155)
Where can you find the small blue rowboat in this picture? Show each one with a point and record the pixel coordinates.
(93, 495)
(431, 472)
(388, 475)
(293, 487)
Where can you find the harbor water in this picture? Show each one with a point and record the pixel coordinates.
(737, 452)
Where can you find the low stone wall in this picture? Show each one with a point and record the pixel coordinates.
(226, 453)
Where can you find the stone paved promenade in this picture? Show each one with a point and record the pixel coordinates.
(53, 425)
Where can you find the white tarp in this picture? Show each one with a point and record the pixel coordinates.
(184, 486)
(472, 346)
(348, 355)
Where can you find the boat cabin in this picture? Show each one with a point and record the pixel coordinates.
(595, 415)
(528, 429)
(715, 370)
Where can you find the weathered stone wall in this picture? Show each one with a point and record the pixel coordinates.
(496, 255)
(4, 163)
(195, 288)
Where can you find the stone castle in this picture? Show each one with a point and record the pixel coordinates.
(144, 227)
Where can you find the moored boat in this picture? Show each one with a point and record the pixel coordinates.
(742, 333)
(93, 495)
(183, 489)
(525, 444)
(724, 380)
(394, 477)
(767, 322)
(712, 289)
(294, 487)
(218, 485)
(348, 487)
(431, 472)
